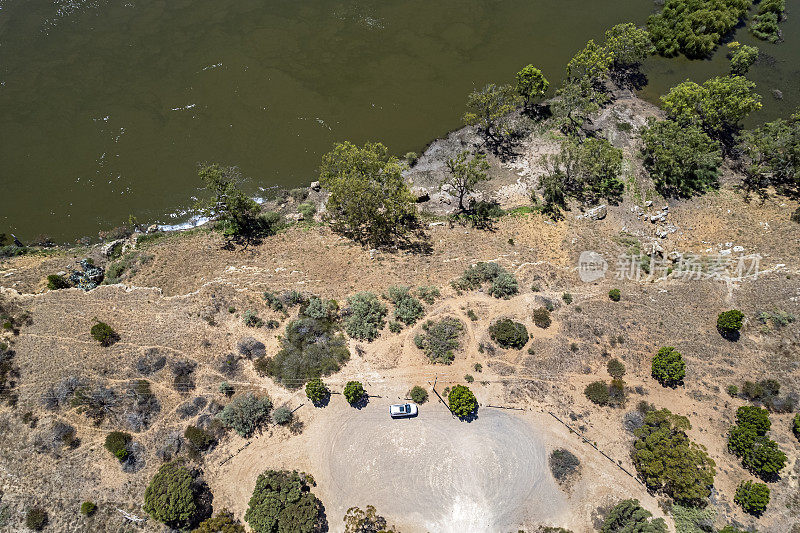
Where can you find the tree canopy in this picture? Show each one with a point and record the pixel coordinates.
(630, 517)
(171, 496)
(531, 84)
(772, 155)
(282, 502)
(488, 109)
(466, 171)
(462, 402)
(369, 201)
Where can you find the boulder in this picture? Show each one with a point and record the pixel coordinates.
(315, 186)
(420, 194)
(596, 213)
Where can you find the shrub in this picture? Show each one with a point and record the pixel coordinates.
(171, 496)
(366, 314)
(226, 389)
(56, 282)
(117, 443)
(614, 295)
(752, 497)
(563, 464)
(309, 349)
(317, 391)
(796, 426)
(307, 210)
(440, 339)
(462, 402)
(36, 518)
(597, 392)
(615, 368)
(251, 319)
(320, 309)
(732, 391)
(471, 315)
(273, 301)
(629, 516)
(428, 294)
(478, 367)
(354, 392)
(251, 348)
(104, 334)
(282, 416)
(88, 508)
(395, 327)
(541, 317)
(245, 413)
(504, 284)
(764, 459)
(418, 395)
(468, 378)
(282, 502)
(199, 438)
(667, 460)
(729, 323)
(509, 334)
(567, 297)
(668, 367)
(407, 309)
(222, 522)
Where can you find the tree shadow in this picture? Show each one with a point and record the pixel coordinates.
(362, 403)
(323, 402)
(468, 418)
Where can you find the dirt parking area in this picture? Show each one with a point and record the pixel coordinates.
(434, 472)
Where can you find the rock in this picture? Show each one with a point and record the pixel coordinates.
(653, 248)
(661, 217)
(432, 224)
(648, 203)
(777, 94)
(315, 186)
(420, 194)
(153, 228)
(596, 213)
(664, 231)
(110, 248)
(91, 277)
(675, 256)
(294, 217)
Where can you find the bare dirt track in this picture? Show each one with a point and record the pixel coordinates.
(435, 472)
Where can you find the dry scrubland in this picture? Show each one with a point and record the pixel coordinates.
(185, 304)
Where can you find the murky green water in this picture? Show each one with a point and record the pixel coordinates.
(107, 106)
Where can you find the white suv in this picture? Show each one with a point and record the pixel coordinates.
(403, 410)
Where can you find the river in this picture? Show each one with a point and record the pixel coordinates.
(107, 106)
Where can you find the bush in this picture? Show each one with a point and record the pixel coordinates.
(462, 402)
(509, 334)
(282, 416)
(199, 438)
(597, 392)
(104, 334)
(629, 516)
(428, 294)
(317, 391)
(245, 413)
(503, 284)
(752, 497)
(796, 426)
(366, 314)
(310, 349)
(88, 508)
(307, 210)
(226, 389)
(117, 443)
(354, 392)
(407, 309)
(36, 518)
(614, 295)
(468, 378)
(251, 319)
(56, 282)
(320, 309)
(395, 327)
(282, 502)
(667, 460)
(567, 297)
(729, 323)
(732, 391)
(563, 464)
(440, 339)
(615, 368)
(668, 367)
(419, 395)
(478, 367)
(251, 348)
(171, 496)
(222, 522)
(541, 317)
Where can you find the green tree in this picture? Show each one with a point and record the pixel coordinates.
(365, 521)
(742, 56)
(509, 334)
(171, 496)
(36, 518)
(764, 24)
(88, 508)
(531, 84)
(56, 282)
(772, 155)
(717, 106)
(354, 392)
(591, 62)
(488, 109)
(764, 459)
(117, 443)
(587, 170)
(317, 391)
(682, 159)
(466, 171)
(752, 497)
(668, 367)
(281, 503)
(418, 394)
(628, 47)
(235, 213)
(222, 522)
(440, 339)
(667, 460)
(796, 426)
(729, 323)
(462, 402)
(630, 517)
(369, 201)
(554, 198)
(616, 369)
(104, 334)
(246, 413)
